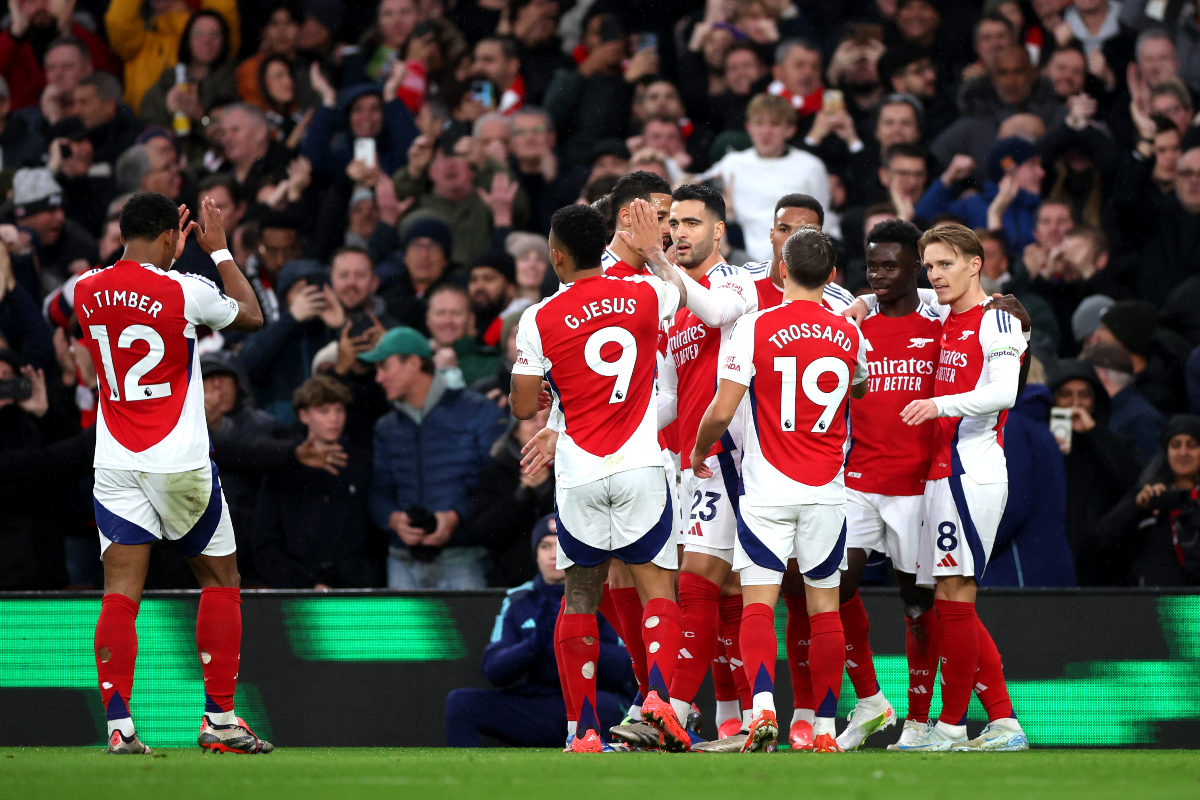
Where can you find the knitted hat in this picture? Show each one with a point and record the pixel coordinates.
(34, 191)
(1086, 318)
(1106, 355)
(300, 269)
(546, 526)
(500, 261)
(1180, 423)
(327, 12)
(1132, 322)
(429, 228)
(1007, 154)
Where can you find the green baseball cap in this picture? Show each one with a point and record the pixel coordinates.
(400, 341)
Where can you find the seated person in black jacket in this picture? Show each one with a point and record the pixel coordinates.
(312, 529)
(528, 710)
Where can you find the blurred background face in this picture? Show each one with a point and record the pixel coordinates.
(424, 259)
(897, 124)
(1187, 180)
(165, 176)
(206, 40)
(547, 556)
(1029, 175)
(281, 89)
(1013, 75)
(397, 374)
(906, 175)
(990, 37)
(280, 33)
(90, 108)
(231, 215)
(661, 99)
(800, 71)
(66, 67)
(366, 116)
(364, 218)
(243, 137)
(276, 247)
(1168, 105)
(769, 136)
(325, 422)
(1157, 61)
(663, 136)
(448, 318)
(531, 136)
(742, 70)
(353, 280)
(1067, 71)
(531, 269)
(1053, 221)
(918, 79)
(487, 287)
(917, 20)
(995, 260)
(1183, 454)
(48, 225)
(220, 394)
(1166, 154)
(397, 18)
(1075, 393)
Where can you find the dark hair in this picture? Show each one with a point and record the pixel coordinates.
(262, 80)
(903, 149)
(278, 220)
(107, 87)
(321, 390)
(635, 185)
(896, 231)
(349, 248)
(802, 201)
(809, 257)
(508, 45)
(443, 288)
(602, 205)
(712, 199)
(223, 179)
(602, 186)
(77, 43)
(1164, 125)
(581, 232)
(994, 16)
(147, 215)
(747, 47)
(185, 46)
(290, 6)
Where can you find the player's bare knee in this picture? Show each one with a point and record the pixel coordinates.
(585, 586)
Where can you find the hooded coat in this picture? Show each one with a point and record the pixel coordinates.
(1031, 544)
(329, 144)
(1101, 467)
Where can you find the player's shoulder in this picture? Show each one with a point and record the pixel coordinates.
(737, 279)
(757, 269)
(930, 312)
(519, 591)
(834, 292)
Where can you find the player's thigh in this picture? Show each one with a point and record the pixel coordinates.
(643, 520)
(193, 510)
(124, 512)
(865, 528)
(584, 524)
(821, 544)
(766, 539)
(961, 520)
(902, 517)
(712, 508)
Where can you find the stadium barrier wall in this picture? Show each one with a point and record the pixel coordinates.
(1085, 667)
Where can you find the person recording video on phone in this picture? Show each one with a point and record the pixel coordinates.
(429, 450)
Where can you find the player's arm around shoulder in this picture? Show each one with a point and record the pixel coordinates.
(859, 383)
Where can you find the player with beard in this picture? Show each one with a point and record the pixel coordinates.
(885, 483)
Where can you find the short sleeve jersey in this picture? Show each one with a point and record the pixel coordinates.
(833, 297)
(695, 347)
(888, 457)
(973, 445)
(139, 325)
(596, 342)
(799, 361)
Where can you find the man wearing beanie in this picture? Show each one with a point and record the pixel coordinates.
(492, 285)
(531, 713)
(422, 265)
(64, 247)
(1010, 204)
(1132, 416)
(1131, 324)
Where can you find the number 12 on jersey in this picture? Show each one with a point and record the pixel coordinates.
(134, 390)
(830, 401)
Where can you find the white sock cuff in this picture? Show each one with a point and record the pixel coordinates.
(803, 715)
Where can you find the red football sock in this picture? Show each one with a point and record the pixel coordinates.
(116, 646)
(826, 653)
(960, 657)
(579, 637)
(989, 677)
(922, 645)
(731, 622)
(219, 640)
(698, 605)
(724, 689)
(860, 665)
(608, 610)
(760, 650)
(661, 631)
(629, 609)
(797, 651)
(572, 711)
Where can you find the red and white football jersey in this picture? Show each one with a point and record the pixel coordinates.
(973, 344)
(611, 264)
(696, 347)
(799, 361)
(833, 296)
(888, 457)
(139, 325)
(596, 342)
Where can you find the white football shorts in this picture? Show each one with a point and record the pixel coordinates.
(887, 525)
(187, 508)
(814, 535)
(627, 515)
(671, 470)
(961, 520)
(712, 522)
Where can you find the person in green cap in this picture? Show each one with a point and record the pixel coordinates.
(429, 450)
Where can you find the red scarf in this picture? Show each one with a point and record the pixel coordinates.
(513, 97)
(809, 104)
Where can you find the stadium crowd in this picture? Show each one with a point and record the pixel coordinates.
(388, 172)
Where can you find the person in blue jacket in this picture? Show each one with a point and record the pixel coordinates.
(526, 710)
(1014, 158)
(429, 451)
(359, 113)
(1031, 546)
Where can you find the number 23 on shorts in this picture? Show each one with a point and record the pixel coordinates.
(709, 511)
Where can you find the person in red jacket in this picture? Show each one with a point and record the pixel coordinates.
(33, 26)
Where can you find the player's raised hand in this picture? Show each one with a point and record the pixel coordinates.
(919, 411)
(184, 228)
(1006, 302)
(645, 236)
(212, 235)
(856, 311)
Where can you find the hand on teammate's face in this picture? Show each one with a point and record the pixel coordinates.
(645, 235)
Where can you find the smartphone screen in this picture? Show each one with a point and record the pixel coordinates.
(364, 150)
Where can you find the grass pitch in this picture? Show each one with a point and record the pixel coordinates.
(499, 774)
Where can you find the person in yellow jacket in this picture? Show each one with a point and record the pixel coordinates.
(150, 47)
